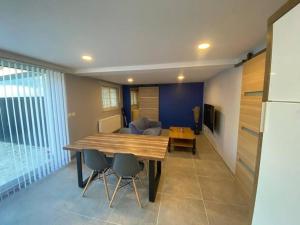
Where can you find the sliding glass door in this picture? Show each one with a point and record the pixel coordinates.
(33, 125)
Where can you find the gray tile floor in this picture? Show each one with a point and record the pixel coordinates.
(197, 190)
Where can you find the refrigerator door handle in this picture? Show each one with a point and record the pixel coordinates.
(262, 117)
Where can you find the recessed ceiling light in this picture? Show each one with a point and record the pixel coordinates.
(204, 46)
(87, 57)
(130, 80)
(180, 77)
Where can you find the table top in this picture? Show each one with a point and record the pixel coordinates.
(181, 133)
(143, 146)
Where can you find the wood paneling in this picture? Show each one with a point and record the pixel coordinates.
(245, 178)
(250, 112)
(148, 92)
(151, 114)
(250, 116)
(143, 146)
(253, 74)
(149, 102)
(248, 144)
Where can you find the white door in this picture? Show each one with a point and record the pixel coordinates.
(285, 66)
(278, 191)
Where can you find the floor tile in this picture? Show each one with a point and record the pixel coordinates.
(179, 162)
(94, 204)
(224, 214)
(177, 210)
(211, 155)
(222, 190)
(183, 187)
(212, 168)
(127, 211)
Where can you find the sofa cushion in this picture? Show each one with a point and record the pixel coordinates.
(134, 129)
(141, 123)
(153, 131)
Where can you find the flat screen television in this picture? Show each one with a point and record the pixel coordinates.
(209, 116)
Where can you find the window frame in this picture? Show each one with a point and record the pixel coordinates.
(110, 107)
(133, 95)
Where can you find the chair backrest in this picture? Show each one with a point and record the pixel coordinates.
(95, 160)
(126, 165)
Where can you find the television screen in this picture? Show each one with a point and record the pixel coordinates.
(209, 116)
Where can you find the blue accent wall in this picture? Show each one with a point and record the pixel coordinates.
(176, 102)
(126, 102)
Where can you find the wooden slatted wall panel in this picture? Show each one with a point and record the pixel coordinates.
(149, 102)
(250, 114)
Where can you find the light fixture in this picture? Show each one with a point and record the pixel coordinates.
(204, 46)
(180, 77)
(87, 57)
(130, 80)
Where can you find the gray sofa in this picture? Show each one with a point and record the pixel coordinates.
(143, 126)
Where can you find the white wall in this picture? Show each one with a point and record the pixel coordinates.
(224, 91)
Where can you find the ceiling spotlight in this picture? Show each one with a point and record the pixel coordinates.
(87, 57)
(204, 46)
(130, 80)
(180, 77)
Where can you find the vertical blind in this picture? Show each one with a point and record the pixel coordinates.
(33, 125)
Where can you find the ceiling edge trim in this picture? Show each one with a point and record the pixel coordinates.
(203, 63)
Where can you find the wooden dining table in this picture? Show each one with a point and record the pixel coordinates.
(145, 147)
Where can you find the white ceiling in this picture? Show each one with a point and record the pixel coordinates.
(162, 76)
(142, 34)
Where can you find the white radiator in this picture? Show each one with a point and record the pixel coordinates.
(110, 124)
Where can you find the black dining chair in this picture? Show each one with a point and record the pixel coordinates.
(126, 166)
(98, 163)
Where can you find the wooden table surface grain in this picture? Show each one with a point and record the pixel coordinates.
(143, 146)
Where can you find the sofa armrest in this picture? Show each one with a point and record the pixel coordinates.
(153, 124)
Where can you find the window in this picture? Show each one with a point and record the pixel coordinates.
(33, 125)
(110, 99)
(133, 97)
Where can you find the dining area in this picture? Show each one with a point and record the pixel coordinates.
(123, 156)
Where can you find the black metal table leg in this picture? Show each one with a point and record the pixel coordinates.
(158, 169)
(194, 146)
(153, 179)
(79, 169)
(81, 182)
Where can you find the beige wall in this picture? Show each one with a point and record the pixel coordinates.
(84, 99)
(224, 91)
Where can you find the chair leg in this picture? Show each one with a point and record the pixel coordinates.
(105, 185)
(146, 166)
(136, 193)
(115, 191)
(139, 178)
(88, 183)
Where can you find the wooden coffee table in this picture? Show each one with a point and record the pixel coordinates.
(182, 137)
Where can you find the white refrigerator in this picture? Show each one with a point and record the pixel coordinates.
(278, 191)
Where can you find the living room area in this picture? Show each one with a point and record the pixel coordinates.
(149, 113)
